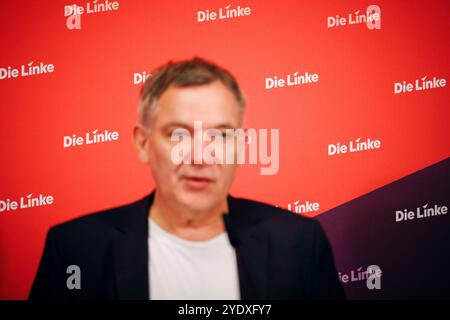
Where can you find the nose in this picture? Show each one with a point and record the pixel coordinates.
(202, 151)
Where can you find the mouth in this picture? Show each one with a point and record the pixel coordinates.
(197, 182)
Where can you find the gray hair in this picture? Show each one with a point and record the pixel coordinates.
(196, 71)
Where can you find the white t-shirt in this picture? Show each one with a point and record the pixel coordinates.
(190, 270)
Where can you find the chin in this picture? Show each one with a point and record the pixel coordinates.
(198, 201)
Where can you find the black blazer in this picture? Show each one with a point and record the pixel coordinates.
(280, 255)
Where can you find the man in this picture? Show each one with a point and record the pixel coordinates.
(188, 239)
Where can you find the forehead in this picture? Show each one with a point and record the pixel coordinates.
(212, 103)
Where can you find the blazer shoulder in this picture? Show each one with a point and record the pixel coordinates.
(99, 221)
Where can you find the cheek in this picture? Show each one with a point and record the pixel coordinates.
(228, 172)
(160, 157)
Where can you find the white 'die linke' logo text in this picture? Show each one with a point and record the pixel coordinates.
(419, 85)
(420, 213)
(90, 138)
(26, 70)
(26, 202)
(140, 77)
(294, 79)
(372, 18)
(353, 146)
(73, 12)
(224, 13)
(226, 147)
(306, 207)
(372, 275)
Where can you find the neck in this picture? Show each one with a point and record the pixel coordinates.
(186, 224)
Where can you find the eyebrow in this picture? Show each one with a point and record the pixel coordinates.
(191, 128)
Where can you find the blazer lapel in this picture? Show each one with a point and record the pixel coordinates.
(252, 250)
(130, 252)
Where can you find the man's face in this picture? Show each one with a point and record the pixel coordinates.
(198, 187)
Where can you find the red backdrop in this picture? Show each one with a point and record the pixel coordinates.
(92, 87)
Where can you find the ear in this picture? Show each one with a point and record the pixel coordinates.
(141, 139)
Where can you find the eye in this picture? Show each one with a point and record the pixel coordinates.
(222, 134)
(177, 133)
(228, 134)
